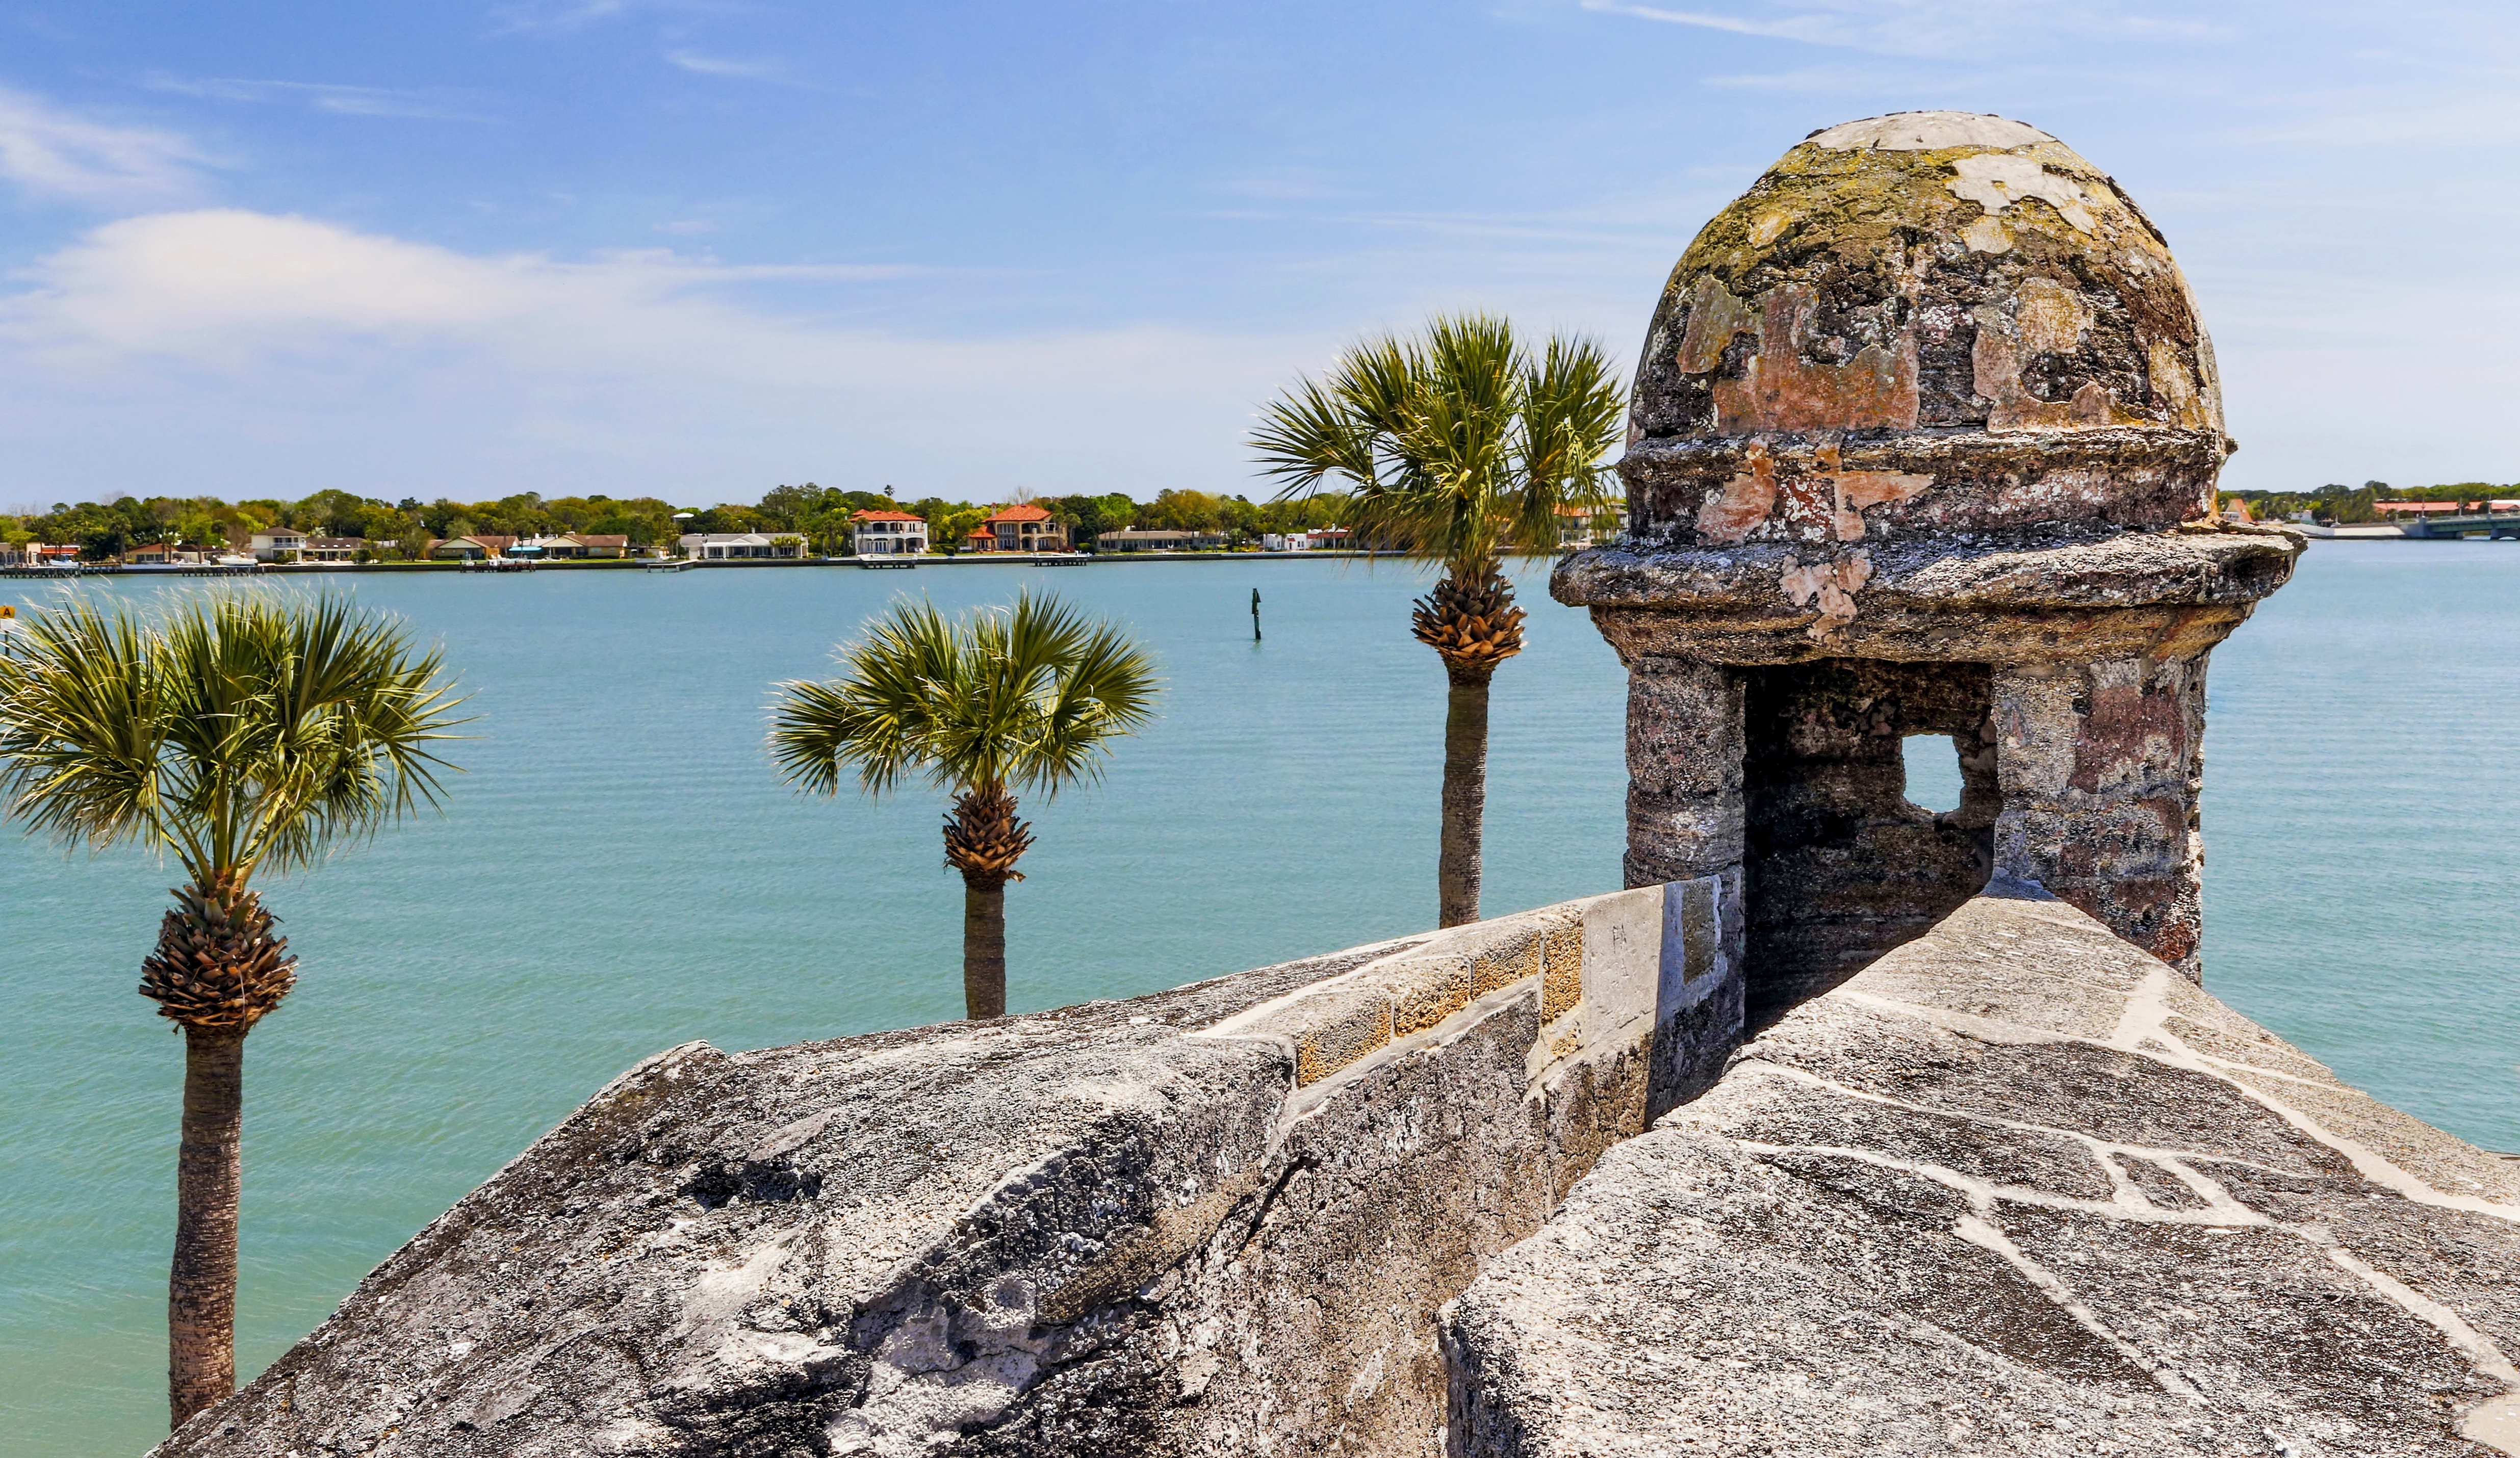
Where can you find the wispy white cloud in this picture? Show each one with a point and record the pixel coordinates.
(726, 66)
(228, 284)
(1904, 82)
(1816, 30)
(1913, 28)
(264, 329)
(563, 16)
(339, 100)
(556, 15)
(2484, 118)
(52, 153)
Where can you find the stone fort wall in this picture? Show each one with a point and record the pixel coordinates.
(2016, 1188)
(1218, 1220)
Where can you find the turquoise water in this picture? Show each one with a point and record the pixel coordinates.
(622, 871)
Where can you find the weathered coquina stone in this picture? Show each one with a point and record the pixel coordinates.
(2016, 1189)
(1924, 441)
(1215, 1220)
(2019, 1190)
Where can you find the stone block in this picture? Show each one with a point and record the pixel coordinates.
(1699, 994)
(1426, 990)
(1561, 974)
(1504, 964)
(1683, 728)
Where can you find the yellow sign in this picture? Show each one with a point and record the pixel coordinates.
(7, 612)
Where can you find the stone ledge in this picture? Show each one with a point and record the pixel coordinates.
(1605, 969)
(2039, 571)
(1332, 1024)
(1984, 597)
(2017, 1188)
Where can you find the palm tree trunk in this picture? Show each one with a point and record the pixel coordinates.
(1466, 794)
(984, 947)
(983, 840)
(1471, 621)
(201, 1291)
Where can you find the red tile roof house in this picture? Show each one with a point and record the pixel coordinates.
(1023, 527)
(887, 533)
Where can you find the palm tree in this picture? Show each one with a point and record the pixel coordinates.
(239, 733)
(1461, 446)
(980, 706)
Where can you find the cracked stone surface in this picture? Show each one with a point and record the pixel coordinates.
(1216, 1219)
(2017, 1188)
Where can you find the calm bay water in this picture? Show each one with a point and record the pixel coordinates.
(622, 871)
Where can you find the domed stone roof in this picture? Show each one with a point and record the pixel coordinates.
(1889, 331)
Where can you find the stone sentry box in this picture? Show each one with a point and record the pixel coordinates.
(1924, 441)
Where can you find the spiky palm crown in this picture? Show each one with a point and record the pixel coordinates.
(218, 966)
(1026, 698)
(983, 839)
(237, 732)
(1470, 621)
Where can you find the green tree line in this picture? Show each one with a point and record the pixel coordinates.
(821, 514)
(818, 513)
(404, 528)
(2352, 504)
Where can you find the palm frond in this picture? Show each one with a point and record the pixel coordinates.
(880, 718)
(1027, 697)
(82, 721)
(1106, 688)
(237, 731)
(1573, 411)
(1309, 438)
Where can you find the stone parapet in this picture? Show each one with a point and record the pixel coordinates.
(1214, 1220)
(2017, 1189)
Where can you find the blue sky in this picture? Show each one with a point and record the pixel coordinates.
(696, 249)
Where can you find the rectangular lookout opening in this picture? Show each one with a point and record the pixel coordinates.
(1840, 865)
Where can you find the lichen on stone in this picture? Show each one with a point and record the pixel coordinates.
(1876, 287)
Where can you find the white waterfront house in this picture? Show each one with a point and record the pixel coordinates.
(1317, 540)
(269, 546)
(719, 546)
(887, 534)
(1157, 539)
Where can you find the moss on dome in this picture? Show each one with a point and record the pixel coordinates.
(1995, 288)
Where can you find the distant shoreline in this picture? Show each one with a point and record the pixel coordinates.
(635, 564)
